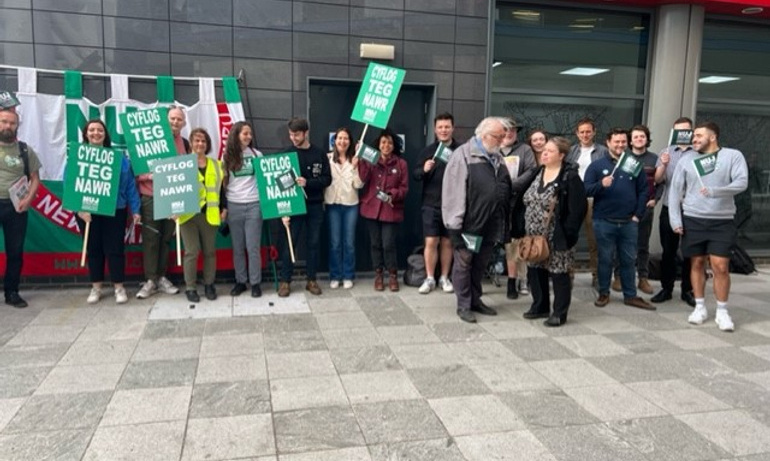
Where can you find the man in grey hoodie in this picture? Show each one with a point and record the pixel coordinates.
(704, 186)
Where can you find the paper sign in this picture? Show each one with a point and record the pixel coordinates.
(273, 173)
(378, 94)
(148, 137)
(93, 179)
(175, 186)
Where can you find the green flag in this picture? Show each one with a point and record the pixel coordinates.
(680, 138)
(279, 195)
(369, 154)
(472, 241)
(92, 179)
(442, 153)
(148, 137)
(175, 186)
(705, 164)
(629, 164)
(8, 100)
(378, 94)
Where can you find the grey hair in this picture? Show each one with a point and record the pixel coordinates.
(487, 125)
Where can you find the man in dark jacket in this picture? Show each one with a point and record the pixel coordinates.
(475, 193)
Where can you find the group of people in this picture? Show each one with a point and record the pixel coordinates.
(491, 189)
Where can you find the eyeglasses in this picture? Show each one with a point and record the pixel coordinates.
(498, 137)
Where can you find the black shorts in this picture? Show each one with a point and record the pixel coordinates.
(432, 222)
(708, 237)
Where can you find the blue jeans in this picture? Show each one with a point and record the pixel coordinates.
(620, 237)
(342, 241)
(312, 222)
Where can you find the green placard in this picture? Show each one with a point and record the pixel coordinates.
(705, 164)
(442, 153)
(629, 164)
(92, 179)
(175, 186)
(378, 94)
(8, 100)
(472, 241)
(680, 138)
(276, 196)
(148, 137)
(369, 154)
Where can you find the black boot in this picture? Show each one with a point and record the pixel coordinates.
(513, 292)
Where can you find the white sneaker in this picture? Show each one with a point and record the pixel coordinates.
(698, 316)
(724, 321)
(147, 290)
(167, 287)
(94, 296)
(334, 284)
(427, 286)
(120, 295)
(347, 284)
(523, 287)
(446, 285)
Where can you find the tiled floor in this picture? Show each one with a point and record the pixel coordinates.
(364, 376)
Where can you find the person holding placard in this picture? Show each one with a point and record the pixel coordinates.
(157, 234)
(386, 184)
(244, 217)
(702, 210)
(341, 199)
(199, 230)
(18, 163)
(106, 239)
(430, 171)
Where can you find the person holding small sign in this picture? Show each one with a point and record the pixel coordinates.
(106, 237)
(244, 217)
(702, 210)
(386, 184)
(199, 230)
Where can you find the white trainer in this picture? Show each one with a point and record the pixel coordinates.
(698, 316)
(334, 284)
(427, 286)
(724, 321)
(120, 295)
(167, 287)
(446, 285)
(347, 284)
(147, 290)
(94, 296)
(523, 287)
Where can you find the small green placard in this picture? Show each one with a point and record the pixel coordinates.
(93, 179)
(442, 153)
(175, 186)
(378, 94)
(705, 164)
(680, 138)
(369, 154)
(8, 100)
(276, 196)
(472, 241)
(630, 165)
(148, 137)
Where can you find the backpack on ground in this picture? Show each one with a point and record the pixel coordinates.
(415, 272)
(740, 261)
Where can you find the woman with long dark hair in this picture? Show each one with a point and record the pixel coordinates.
(341, 199)
(244, 216)
(537, 140)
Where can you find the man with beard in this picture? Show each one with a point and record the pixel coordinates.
(475, 194)
(17, 160)
(704, 186)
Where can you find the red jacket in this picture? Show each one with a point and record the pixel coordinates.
(391, 177)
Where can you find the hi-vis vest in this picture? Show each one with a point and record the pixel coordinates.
(209, 193)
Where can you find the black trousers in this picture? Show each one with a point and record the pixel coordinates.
(14, 230)
(468, 270)
(382, 236)
(106, 243)
(541, 298)
(670, 243)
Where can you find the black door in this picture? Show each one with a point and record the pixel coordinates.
(330, 106)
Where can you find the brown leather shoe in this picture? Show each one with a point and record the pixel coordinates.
(616, 285)
(379, 283)
(393, 281)
(284, 289)
(313, 288)
(645, 286)
(639, 303)
(602, 301)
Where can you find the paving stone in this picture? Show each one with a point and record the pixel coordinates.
(652, 322)
(127, 313)
(536, 349)
(147, 442)
(579, 443)
(407, 334)
(547, 408)
(230, 399)
(289, 322)
(165, 329)
(641, 342)
(113, 331)
(404, 420)
(425, 355)
(510, 377)
(231, 368)
(504, 446)
(483, 353)
(733, 390)
(59, 411)
(379, 387)
(21, 382)
(70, 316)
(762, 351)
(137, 406)
(161, 373)
(461, 331)
(67, 445)
(316, 429)
(233, 344)
(345, 454)
(364, 359)
(612, 402)
(659, 366)
(604, 324)
(737, 359)
(46, 334)
(345, 320)
(440, 313)
(422, 450)
(475, 414)
(592, 346)
(666, 439)
(232, 326)
(269, 304)
(309, 392)
(733, 430)
(294, 341)
(394, 313)
(572, 373)
(99, 352)
(178, 307)
(746, 338)
(761, 378)
(512, 329)
(576, 327)
(8, 409)
(677, 396)
(299, 364)
(81, 378)
(453, 380)
(326, 306)
(352, 337)
(230, 437)
(31, 356)
(691, 339)
(167, 349)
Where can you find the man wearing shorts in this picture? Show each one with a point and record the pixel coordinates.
(704, 185)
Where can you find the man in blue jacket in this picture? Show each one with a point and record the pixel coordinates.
(620, 193)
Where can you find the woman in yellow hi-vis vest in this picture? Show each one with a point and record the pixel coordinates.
(199, 230)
